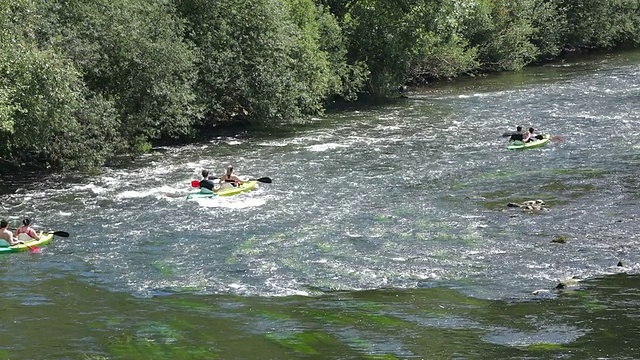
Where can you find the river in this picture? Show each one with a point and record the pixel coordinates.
(384, 234)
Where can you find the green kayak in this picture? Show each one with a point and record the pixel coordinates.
(519, 145)
(227, 191)
(6, 249)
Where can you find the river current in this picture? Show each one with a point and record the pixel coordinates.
(405, 196)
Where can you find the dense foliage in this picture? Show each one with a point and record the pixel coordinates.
(84, 80)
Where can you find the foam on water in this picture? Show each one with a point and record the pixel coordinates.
(237, 202)
(325, 147)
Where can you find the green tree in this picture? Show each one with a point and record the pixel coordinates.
(602, 23)
(502, 31)
(549, 28)
(406, 40)
(41, 94)
(332, 42)
(264, 60)
(444, 52)
(131, 53)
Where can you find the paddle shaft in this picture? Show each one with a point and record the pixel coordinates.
(266, 180)
(56, 233)
(31, 248)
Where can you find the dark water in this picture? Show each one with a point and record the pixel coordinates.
(385, 234)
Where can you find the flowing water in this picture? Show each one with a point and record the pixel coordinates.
(385, 234)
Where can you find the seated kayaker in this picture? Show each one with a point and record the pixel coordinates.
(517, 136)
(530, 136)
(27, 230)
(206, 184)
(6, 234)
(229, 177)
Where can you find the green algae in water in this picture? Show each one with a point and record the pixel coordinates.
(459, 186)
(469, 239)
(192, 305)
(293, 264)
(545, 347)
(301, 342)
(595, 306)
(560, 239)
(383, 218)
(158, 331)
(361, 316)
(429, 224)
(127, 348)
(157, 341)
(499, 194)
(585, 173)
(273, 316)
(377, 231)
(380, 357)
(89, 357)
(248, 244)
(166, 269)
(385, 320)
(509, 174)
(573, 190)
(249, 247)
(325, 247)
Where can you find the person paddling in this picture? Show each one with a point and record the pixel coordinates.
(206, 182)
(530, 136)
(27, 230)
(517, 136)
(229, 177)
(6, 234)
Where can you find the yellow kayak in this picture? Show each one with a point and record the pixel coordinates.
(519, 145)
(225, 191)
(6, 249)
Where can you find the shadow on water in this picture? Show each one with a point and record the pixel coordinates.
(590, 320)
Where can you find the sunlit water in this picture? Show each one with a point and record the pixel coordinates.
(409, 195)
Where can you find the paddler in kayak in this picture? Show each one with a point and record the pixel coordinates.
(229, 177)
(517, 136)
(6, 234)
(530, 136)
(27, 230)
(206, 184)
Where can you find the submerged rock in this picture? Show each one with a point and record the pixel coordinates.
(530, 205)
(573, 282)
(560, 239)
(541, 292)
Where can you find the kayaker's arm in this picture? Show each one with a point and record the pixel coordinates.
(14, 241)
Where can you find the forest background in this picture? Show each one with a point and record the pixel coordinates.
(83, 81)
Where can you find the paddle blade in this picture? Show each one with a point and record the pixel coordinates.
(265, 180)
(557, 139)
(195, 183)
(32, 249)
(61, 233)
